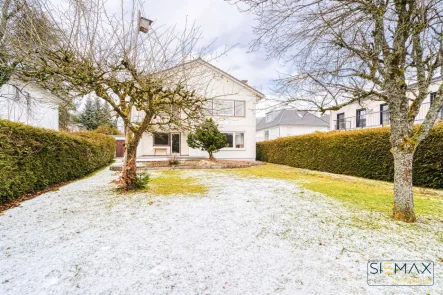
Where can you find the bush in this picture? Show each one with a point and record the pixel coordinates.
(364, 153)
(108, 129)
(174, 161)
(142, 180)
(207, 137)
(33, 158)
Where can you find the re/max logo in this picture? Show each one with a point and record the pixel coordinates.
(377, 267)
(400, 273)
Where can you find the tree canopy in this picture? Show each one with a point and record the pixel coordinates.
(95, 114)
(341, 52)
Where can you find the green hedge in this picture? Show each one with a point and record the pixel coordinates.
(33, 158)
(364, 153)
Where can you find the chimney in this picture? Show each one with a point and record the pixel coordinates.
(244, 81)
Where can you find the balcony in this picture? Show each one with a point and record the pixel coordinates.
(377, 119)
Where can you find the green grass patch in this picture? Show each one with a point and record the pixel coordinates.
(171, 182)
(353, 191)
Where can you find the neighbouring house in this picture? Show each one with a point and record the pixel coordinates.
(232, 103)
(29, 104)
(283, 123)
(370, 113)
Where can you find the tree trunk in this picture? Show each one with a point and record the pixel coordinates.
(211, 157)
(403, 148)
(129, 170)
(403, 199)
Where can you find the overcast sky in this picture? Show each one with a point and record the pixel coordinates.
(218, 21)
(221, 21)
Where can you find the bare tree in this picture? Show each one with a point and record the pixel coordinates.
(20, 20)
(352, 50)
(21, 25)
(145, 78)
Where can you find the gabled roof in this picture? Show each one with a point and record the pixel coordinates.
(292, 117)
(34, 90)
(211, 66)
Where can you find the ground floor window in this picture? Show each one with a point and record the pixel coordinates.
(239, 140)
(385, 115)
(235, 139)
(161, 139)
(267, 135)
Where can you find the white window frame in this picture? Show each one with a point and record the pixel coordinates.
(160, 145)
(234, 133)
(234, 102)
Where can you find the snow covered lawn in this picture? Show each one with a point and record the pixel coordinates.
(242, 236)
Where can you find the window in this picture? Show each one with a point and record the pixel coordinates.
(341, 123)
(230, 108)
(432, 96)
(239, 140)
(161, 139)
(239, 108)
(17, 94)
(361, 118)
(175, 111)
(207, 106)
(235, 139)
(229, 139)
(385, 116)
(224, 107)
(267, 135)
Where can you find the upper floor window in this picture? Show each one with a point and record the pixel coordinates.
(240, 108)
(229, 108)
(341, 122)
(361, 118)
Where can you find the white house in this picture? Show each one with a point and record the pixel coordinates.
(29, 104)
(283, 123)
(370, 113)
(232, 105)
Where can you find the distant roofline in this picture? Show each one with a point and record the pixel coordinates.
(290, 124)
(439, 77)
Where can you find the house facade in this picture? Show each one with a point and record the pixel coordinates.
(29, 104)
(283, 123)
(231, 104)
(371, 114)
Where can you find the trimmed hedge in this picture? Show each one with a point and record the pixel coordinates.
(364, 153)
(32, 158)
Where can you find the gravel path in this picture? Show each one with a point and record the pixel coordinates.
(245, 236)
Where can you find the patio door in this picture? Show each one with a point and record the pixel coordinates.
(175, 143)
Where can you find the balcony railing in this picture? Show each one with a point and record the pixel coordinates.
(377, 119)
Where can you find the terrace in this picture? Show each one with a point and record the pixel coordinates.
(364, 119)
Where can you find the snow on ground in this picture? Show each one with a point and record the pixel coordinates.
(245, 236)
